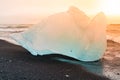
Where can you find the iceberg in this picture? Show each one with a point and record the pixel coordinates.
(71, 33)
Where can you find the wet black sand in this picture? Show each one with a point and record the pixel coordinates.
(16, 63)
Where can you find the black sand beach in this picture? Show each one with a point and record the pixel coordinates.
(16, 63)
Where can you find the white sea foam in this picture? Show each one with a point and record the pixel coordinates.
(9, 40)
(13, 29)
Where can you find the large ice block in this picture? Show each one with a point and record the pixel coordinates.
(69, 33)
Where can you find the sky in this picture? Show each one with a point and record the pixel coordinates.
(31, 11)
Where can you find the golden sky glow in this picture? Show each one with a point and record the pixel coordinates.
(26, 10)
(111, 7)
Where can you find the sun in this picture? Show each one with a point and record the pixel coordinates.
(111, 7)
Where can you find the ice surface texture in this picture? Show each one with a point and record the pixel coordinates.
(69, 33)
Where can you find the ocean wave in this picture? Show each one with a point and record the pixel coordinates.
(12, 29)
(113, 38)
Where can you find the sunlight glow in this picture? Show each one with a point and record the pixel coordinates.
(111, 7)
(19, 11)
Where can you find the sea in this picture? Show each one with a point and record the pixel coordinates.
(112, 31)
(7, 29)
